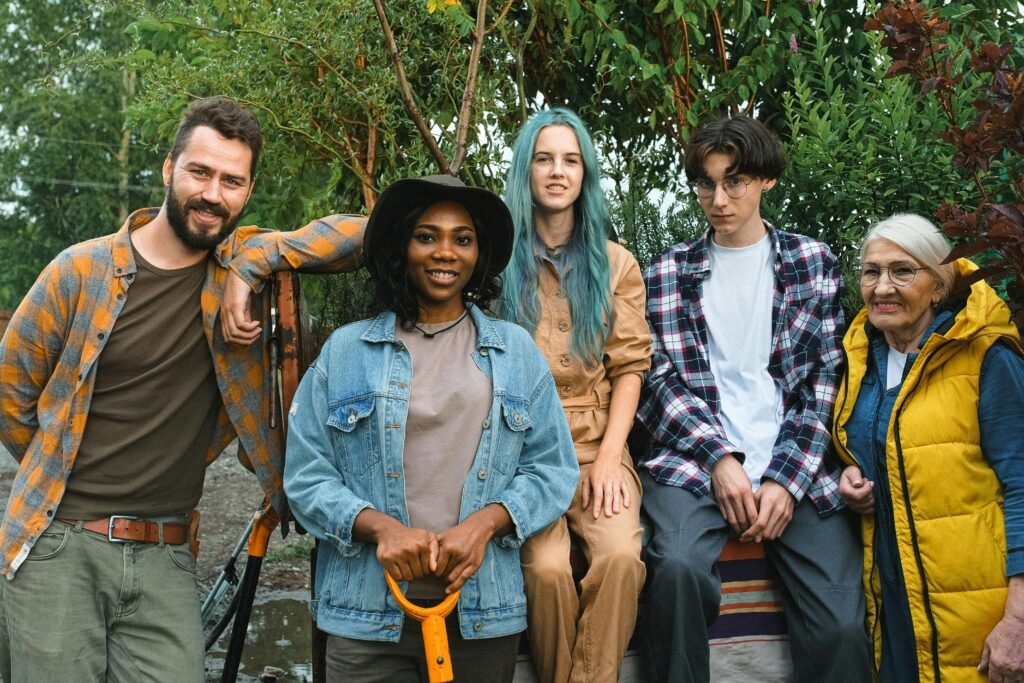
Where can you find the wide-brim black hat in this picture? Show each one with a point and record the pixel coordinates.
(394, 203)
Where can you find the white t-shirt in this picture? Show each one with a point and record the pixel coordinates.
(737, 300)
(894, 366)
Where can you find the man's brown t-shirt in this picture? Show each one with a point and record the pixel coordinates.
(154, 406)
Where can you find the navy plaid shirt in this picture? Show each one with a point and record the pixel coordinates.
(679, 405)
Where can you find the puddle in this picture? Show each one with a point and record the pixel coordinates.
(278, 636)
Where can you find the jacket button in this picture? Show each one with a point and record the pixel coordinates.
(483, 352)
(563, 326)
(478, 626)
(487, 422)
(352, 418)
(101, 335)
(564, 360)
(565, 391)
(482, 474)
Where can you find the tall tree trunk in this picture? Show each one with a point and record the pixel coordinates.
(128, 80)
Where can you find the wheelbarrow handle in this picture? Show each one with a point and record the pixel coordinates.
(435, 635)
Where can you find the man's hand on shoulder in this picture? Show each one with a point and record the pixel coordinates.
(774, 511)
(734, 494)
(236, 321)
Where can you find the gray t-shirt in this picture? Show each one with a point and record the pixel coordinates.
(448, 403)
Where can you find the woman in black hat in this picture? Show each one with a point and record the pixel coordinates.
(427, 442)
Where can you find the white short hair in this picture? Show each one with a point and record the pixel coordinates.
(919, 237)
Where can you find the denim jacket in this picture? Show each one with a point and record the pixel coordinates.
(345, 452)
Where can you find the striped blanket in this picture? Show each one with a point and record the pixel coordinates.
(748, 640)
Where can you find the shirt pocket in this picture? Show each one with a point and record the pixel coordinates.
(515, 421)
(353, 432)
(803, 331)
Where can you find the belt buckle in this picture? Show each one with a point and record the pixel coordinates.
(110, 528)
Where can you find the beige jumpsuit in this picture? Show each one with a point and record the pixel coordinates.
(583, 636)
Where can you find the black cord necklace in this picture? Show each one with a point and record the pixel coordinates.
(431, 335)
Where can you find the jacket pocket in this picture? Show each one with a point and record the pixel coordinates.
(353, 432)
(515, 421)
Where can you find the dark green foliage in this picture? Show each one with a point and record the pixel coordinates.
(68, 170)
(986, 141)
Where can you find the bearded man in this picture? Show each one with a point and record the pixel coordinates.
(127, 369)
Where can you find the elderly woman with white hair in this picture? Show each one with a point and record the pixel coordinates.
(930, 421)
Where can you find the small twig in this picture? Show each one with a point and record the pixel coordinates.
(520, 56)
(465, 112)
(406, 90)
(501, 14)
(369, 192)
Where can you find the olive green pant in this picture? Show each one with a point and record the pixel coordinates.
(81, 608)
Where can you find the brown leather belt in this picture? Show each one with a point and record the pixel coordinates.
(123, 528)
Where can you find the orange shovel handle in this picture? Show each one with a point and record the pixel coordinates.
(435, 636)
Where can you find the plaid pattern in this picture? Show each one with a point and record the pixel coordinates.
(679, 405)
(49, 352)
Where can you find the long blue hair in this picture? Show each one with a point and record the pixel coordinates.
(587, 281)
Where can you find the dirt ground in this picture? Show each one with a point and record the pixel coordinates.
(230, 497)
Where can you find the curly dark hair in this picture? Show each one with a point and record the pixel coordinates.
(392, 290)
(225, 116)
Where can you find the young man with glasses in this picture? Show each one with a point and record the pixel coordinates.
(746, 324)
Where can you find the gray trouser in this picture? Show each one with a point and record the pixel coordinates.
(82, 608)
(819, 562)
(483, 660)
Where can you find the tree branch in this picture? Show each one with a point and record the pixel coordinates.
(466, 111)
(406, 90)
(520, 56)
(369, 192)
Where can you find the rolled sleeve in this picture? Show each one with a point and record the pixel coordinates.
(329, 244)
(628, 348)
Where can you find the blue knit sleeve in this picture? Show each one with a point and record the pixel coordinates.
(1001, 415)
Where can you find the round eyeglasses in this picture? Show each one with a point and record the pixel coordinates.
(900, 274)
(734, 187)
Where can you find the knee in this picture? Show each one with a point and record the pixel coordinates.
(841, 629)
(616, 561)
(681, 570)
(547, 570)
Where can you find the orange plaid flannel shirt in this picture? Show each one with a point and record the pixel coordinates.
(49, 352)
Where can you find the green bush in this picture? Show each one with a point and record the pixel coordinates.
(858, 152)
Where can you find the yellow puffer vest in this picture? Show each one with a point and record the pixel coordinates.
(948, 502)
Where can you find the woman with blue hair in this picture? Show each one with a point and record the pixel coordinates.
(582, 297)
